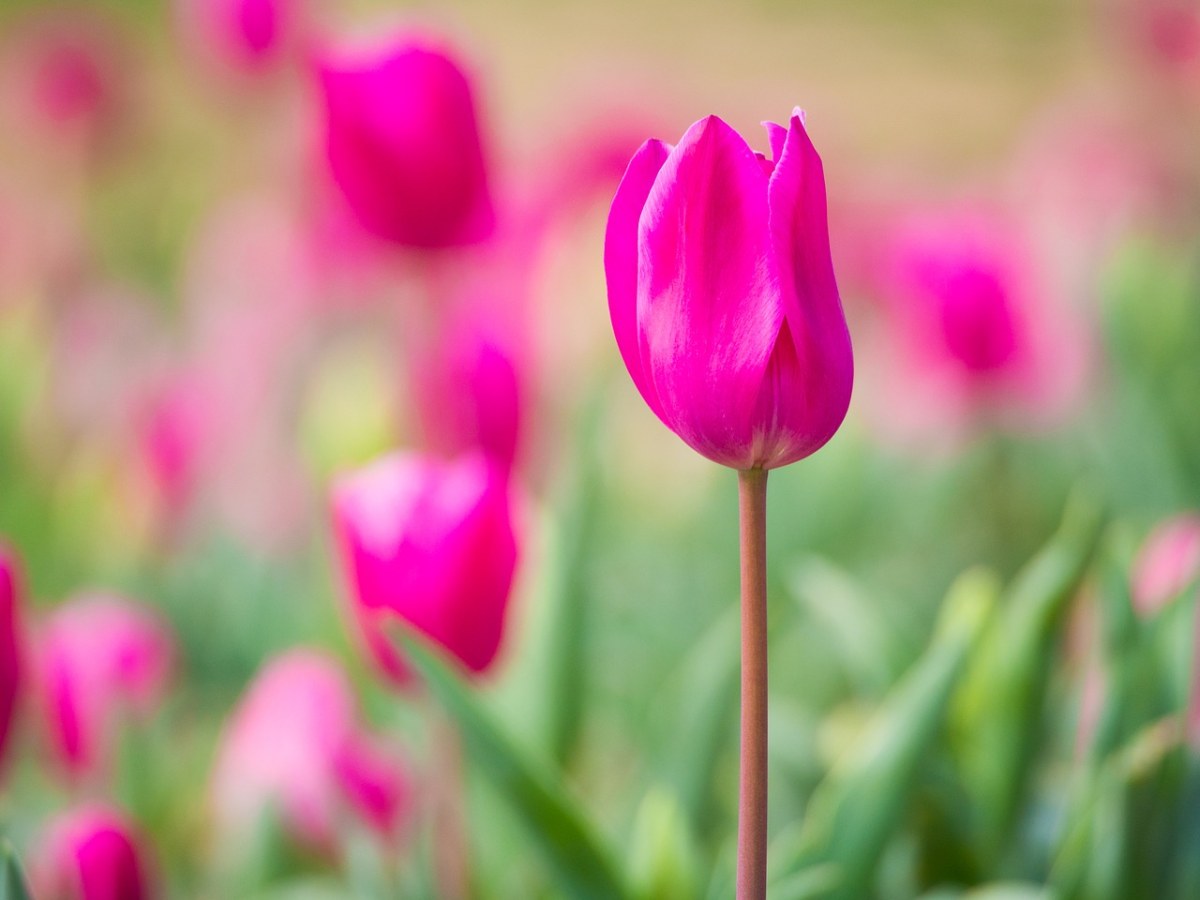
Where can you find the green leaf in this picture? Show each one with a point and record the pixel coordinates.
(663, 864)
(566, 840)
(998, 712)
(12, 879)
(858, 806)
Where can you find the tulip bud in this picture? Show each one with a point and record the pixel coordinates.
(402, 143)
(293, 746)
(242, 35)
(722, 294)
(431, 542)
(91, 853)
(10, 647)
(1168, 563)
(468, 394)
(96, 659)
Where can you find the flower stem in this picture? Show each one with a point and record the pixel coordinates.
(752, 790)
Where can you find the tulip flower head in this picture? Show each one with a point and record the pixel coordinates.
(1169, 562)
(91, 853)
(10, 646)
(469, 394)
(972, 329)
(433, 543)
(402, 143)
(243, 35)
(98, 658)
(293, 747)
(722, 294)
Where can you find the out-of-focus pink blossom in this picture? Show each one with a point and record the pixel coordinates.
(1164, 32)
(434, 543)
(402, 142)
(11, 650)
(174, 433)
(62, 76)
(1168, 562)
(91, 853)
(722, 294)
(293, 748)
(248, 36)
(973, 335)
(468, 392)
(96, 659)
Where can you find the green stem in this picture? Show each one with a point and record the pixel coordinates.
(752, 789)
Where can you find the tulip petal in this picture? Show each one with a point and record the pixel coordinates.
(812, 365)
(709, 310)
(621, 259)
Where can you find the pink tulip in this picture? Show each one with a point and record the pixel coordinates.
(97, 658)
(722, 294)
(243, 35)
(293, 745)
(91, 853)
(431, 542)
(468, 393)
(62, 77)
(974, 335)
(10, 646)
(402, 143)
(1168, 562)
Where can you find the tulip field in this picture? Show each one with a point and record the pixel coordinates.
(661, 451)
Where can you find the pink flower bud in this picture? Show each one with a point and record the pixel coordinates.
(402, 143)
(10, 646)
(97, 658)
(293, 747)
(62, 77)
(243, 35)
(468, 394)
(431, 542)
(973, 333)
(722, 294)
(90, 853)
(1168, 563)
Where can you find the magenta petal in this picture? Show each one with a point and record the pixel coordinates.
(621, 259)
(432, 543)
(709, 309)
(807, 389)
(10, 647)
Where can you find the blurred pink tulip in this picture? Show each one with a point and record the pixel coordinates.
(293, 747)
(722, 294)
(468, 393)
(1168, 562)
(248, 36)
(62, 75)
(91, 853)
(1165, 32)
(973, 333)
(402, 142)
(434, 543)
(10, 646)
(97, 658)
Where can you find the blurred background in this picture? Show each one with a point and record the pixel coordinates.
(206, 320)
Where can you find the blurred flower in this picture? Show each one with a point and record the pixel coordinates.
(972, 335)
(10, 646)
(403, 145)
(293, 747)
(62, 76)
(243, 35)
(1166, 33)
(434, 543)
(468, 393)
(722, 294)
(97, 658)
(90, 853)
(1168, 562)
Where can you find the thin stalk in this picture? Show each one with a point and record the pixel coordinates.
(451, 850)
(752, 788)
